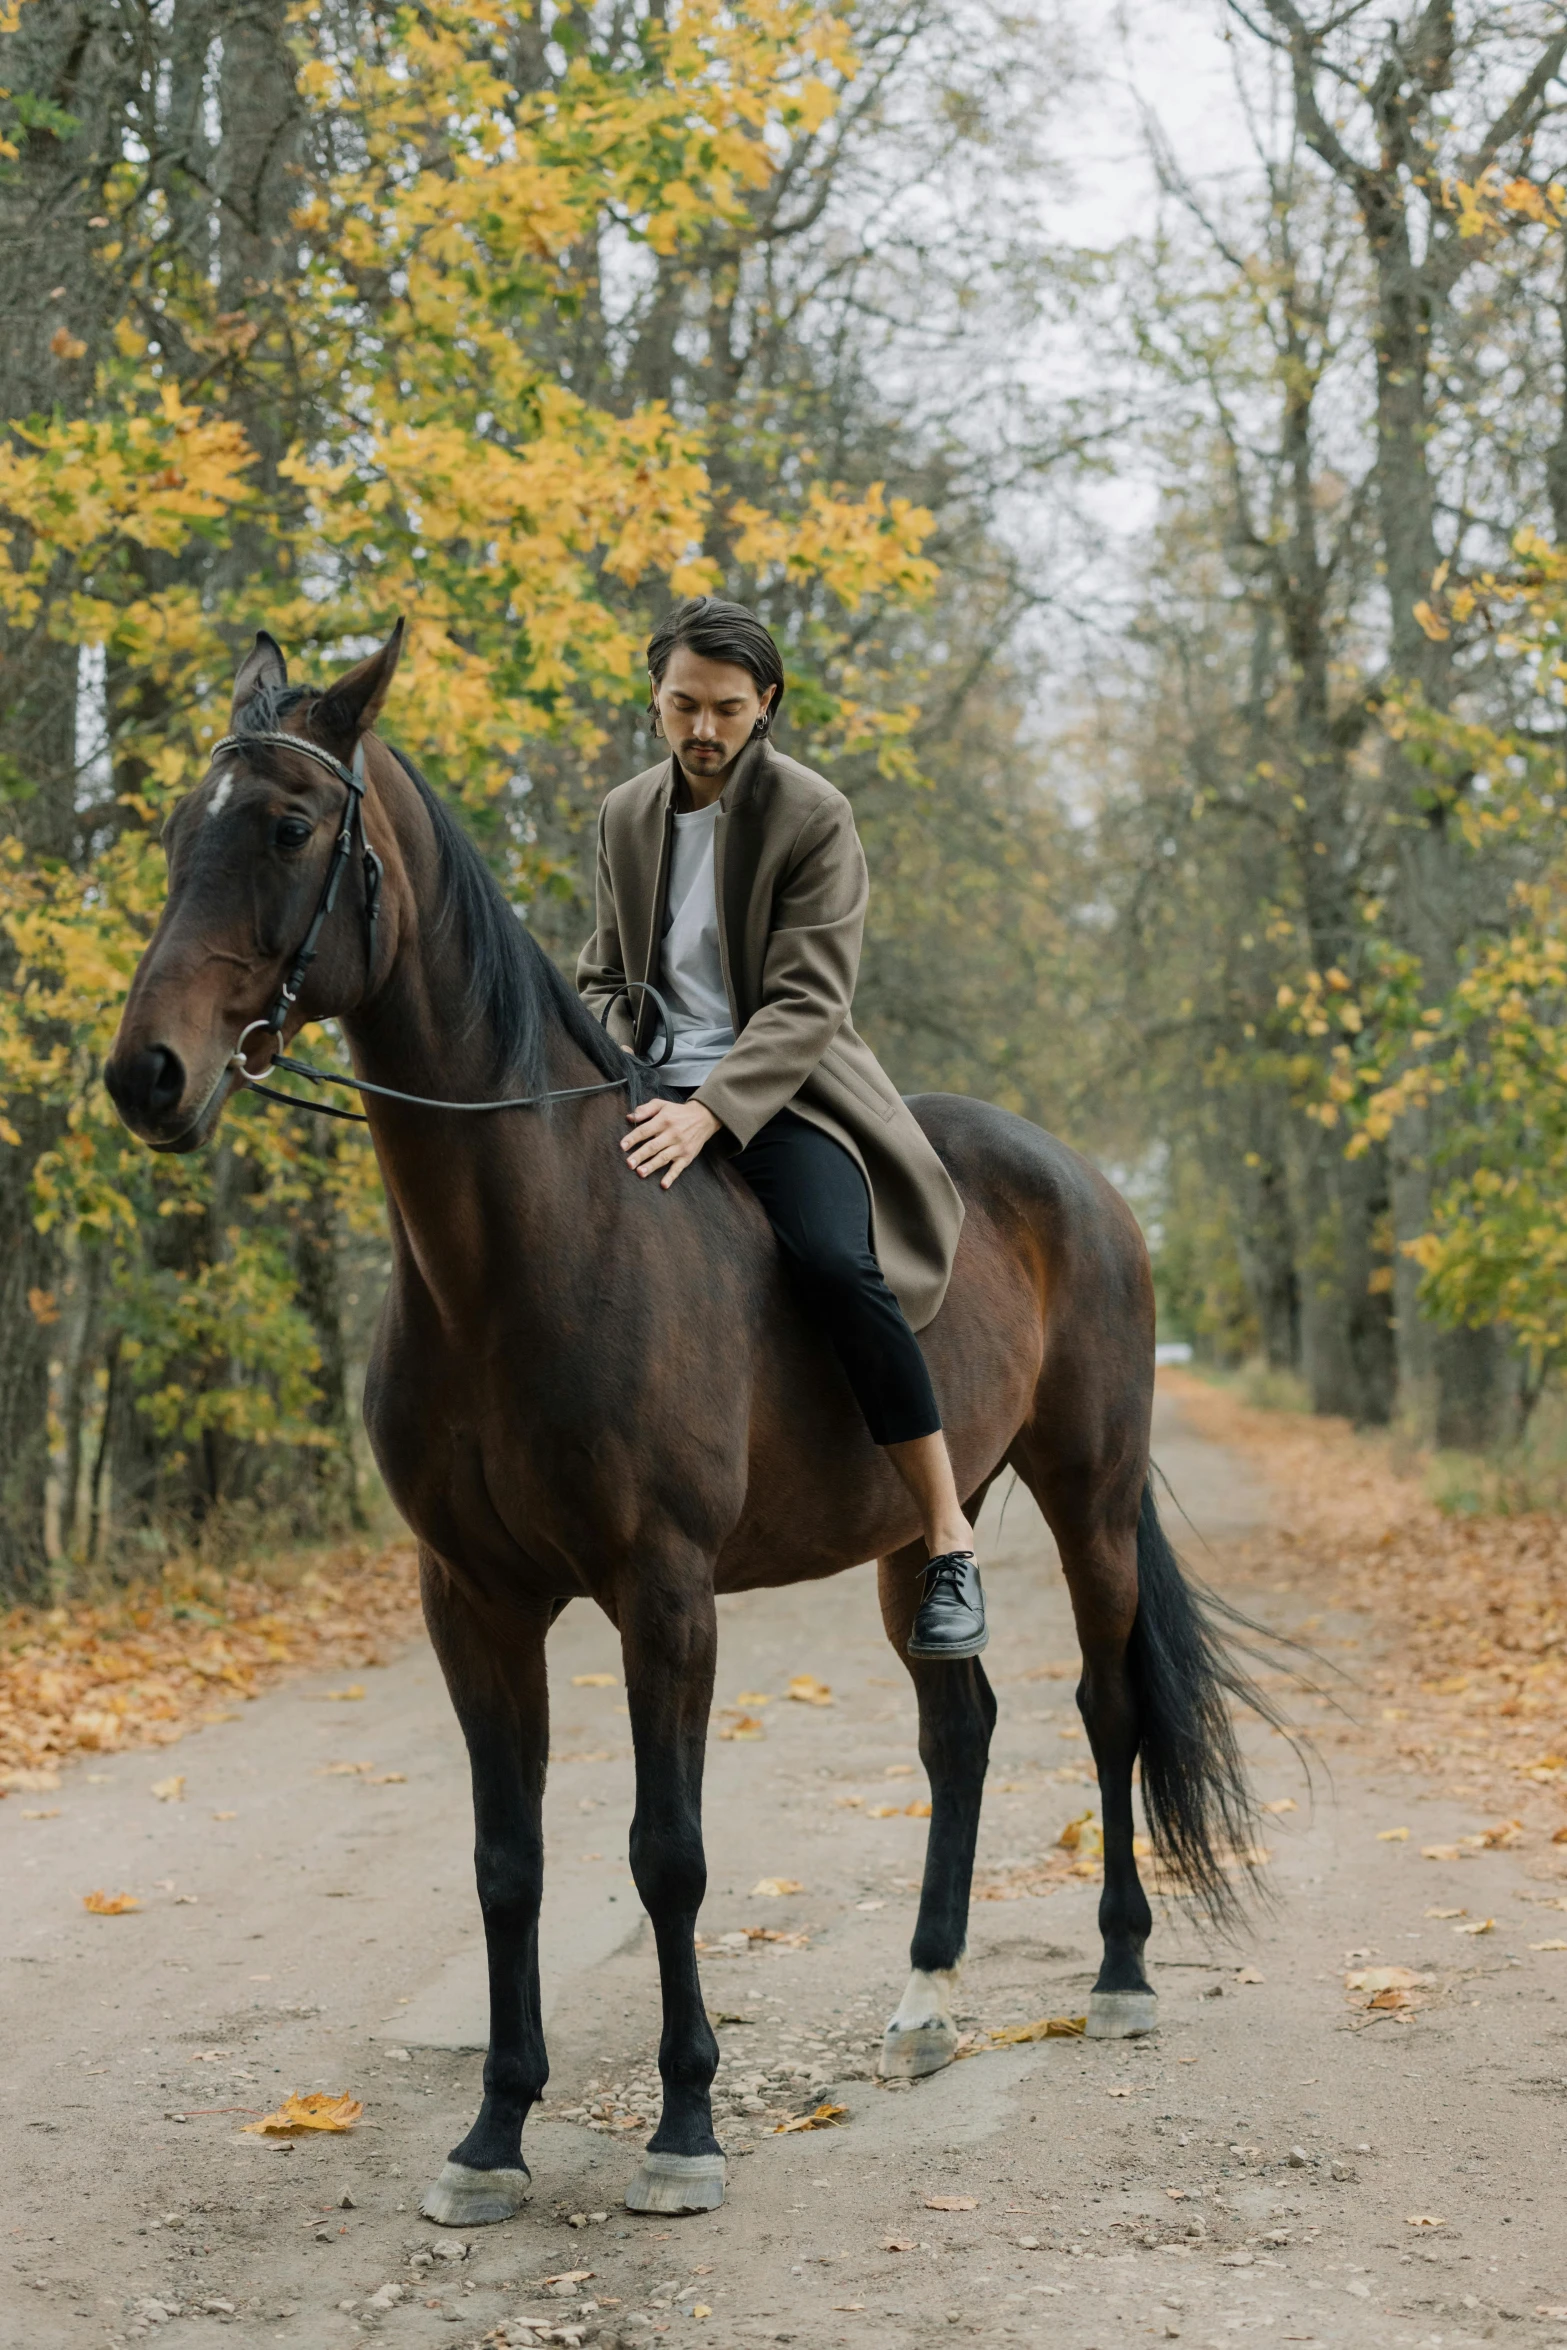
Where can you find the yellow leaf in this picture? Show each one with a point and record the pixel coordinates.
(1084, 1836)
(1477, 1926)
(824, 2118)
(700, 2309)
(1423, 2219)
(805, 1689)
(774, 1888)
(65, 345)
(918, 1810)
(170, 1790)
(110, 1905)
(746, 1727)
(595, 1681)
(952, 2203)
(753, 1697)
(1558, 1944)
(347, 1696)
(298, 2115)
(1049, 2027)
(1392, 1835)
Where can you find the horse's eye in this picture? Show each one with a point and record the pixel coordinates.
(291, 832)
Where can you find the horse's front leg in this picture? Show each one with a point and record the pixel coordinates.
(495, 1674)
(669, 1639)
(957, 1716)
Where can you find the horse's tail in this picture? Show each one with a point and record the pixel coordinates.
(1195, 1794)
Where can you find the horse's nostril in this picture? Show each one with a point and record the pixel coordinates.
(148, 1084)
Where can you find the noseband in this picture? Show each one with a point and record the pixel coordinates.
(352, 829)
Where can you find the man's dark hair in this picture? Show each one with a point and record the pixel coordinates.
(718, 631)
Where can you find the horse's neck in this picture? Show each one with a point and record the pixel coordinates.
(464, 1186)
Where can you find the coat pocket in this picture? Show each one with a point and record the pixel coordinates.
(836, 1064)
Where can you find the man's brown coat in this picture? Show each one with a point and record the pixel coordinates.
(789, 875)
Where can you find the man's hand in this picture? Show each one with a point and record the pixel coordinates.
(667, 1135)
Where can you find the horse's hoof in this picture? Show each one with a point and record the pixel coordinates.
(1121, 2015)
(676, 2183)
(464, 2198)
(910, 2051)
(923, 2035)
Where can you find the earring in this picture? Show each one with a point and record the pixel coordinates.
(763, 727)
(655, 727)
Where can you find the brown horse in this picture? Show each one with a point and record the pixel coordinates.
(584, 1386)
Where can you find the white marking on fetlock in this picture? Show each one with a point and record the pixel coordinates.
(674, 2184)
(1121, 2015)
(923, 2035)
(464, 2198)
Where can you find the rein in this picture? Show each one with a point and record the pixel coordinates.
(352, 829)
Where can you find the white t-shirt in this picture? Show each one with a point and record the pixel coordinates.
(692, 971)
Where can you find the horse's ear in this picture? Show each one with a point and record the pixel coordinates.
(351, 706)
(263, 666)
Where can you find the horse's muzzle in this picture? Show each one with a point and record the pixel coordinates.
(147, 1087)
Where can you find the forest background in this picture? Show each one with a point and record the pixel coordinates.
(1181, 602)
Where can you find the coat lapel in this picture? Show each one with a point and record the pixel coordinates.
(645, 930)
(737, 855)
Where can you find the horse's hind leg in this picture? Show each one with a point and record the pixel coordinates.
(957, 1715)
(498, 1687)
(1097, 1538)
(669, 1639)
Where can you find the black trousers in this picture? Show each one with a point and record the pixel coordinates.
(818, 1205)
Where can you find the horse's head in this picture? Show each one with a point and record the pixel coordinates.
(250, 852)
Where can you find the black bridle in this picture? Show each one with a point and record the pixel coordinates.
(350, 831)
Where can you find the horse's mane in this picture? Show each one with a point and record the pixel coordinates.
(515, 993)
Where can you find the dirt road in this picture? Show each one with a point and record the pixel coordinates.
(308, 1921)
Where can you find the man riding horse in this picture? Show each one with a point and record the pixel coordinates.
(732, 878)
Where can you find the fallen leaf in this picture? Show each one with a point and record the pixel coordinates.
(753, 1697)
(348, 1696)
(298, 2115)
(884, 1811)
(1083, 1836)
(918, 1810)
(345, 1770)
(1558, 1944)
(225, 1815)
(1251, 1974)
(1446, 1913)
(899, 2244)
(1121, 2089)
(1477, 1926)
(1392, 1835)
(1502, 1835)
(1423, 2219)
(42, 1815)
(775, 1888)
(1282, 1804)
(390, 1779)
(1388, 1978)
(824, 2118)
(65, 345)
(1386, 2000)
(170, 1790)
(1049, 2027)
(805, 1689)
(848, 1802)
(952, 2203)
(700, 2309)
(595, 1680)
(747, 1726)
(1560, 1836)
(110, 1905)
(28, 1782)
(1440, 1852)
(568, 2276)
(898, 1771)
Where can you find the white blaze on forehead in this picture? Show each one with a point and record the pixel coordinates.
(220, 794)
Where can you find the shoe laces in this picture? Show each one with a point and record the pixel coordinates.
(946, 1573)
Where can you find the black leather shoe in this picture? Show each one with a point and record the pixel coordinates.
(951, 1619)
